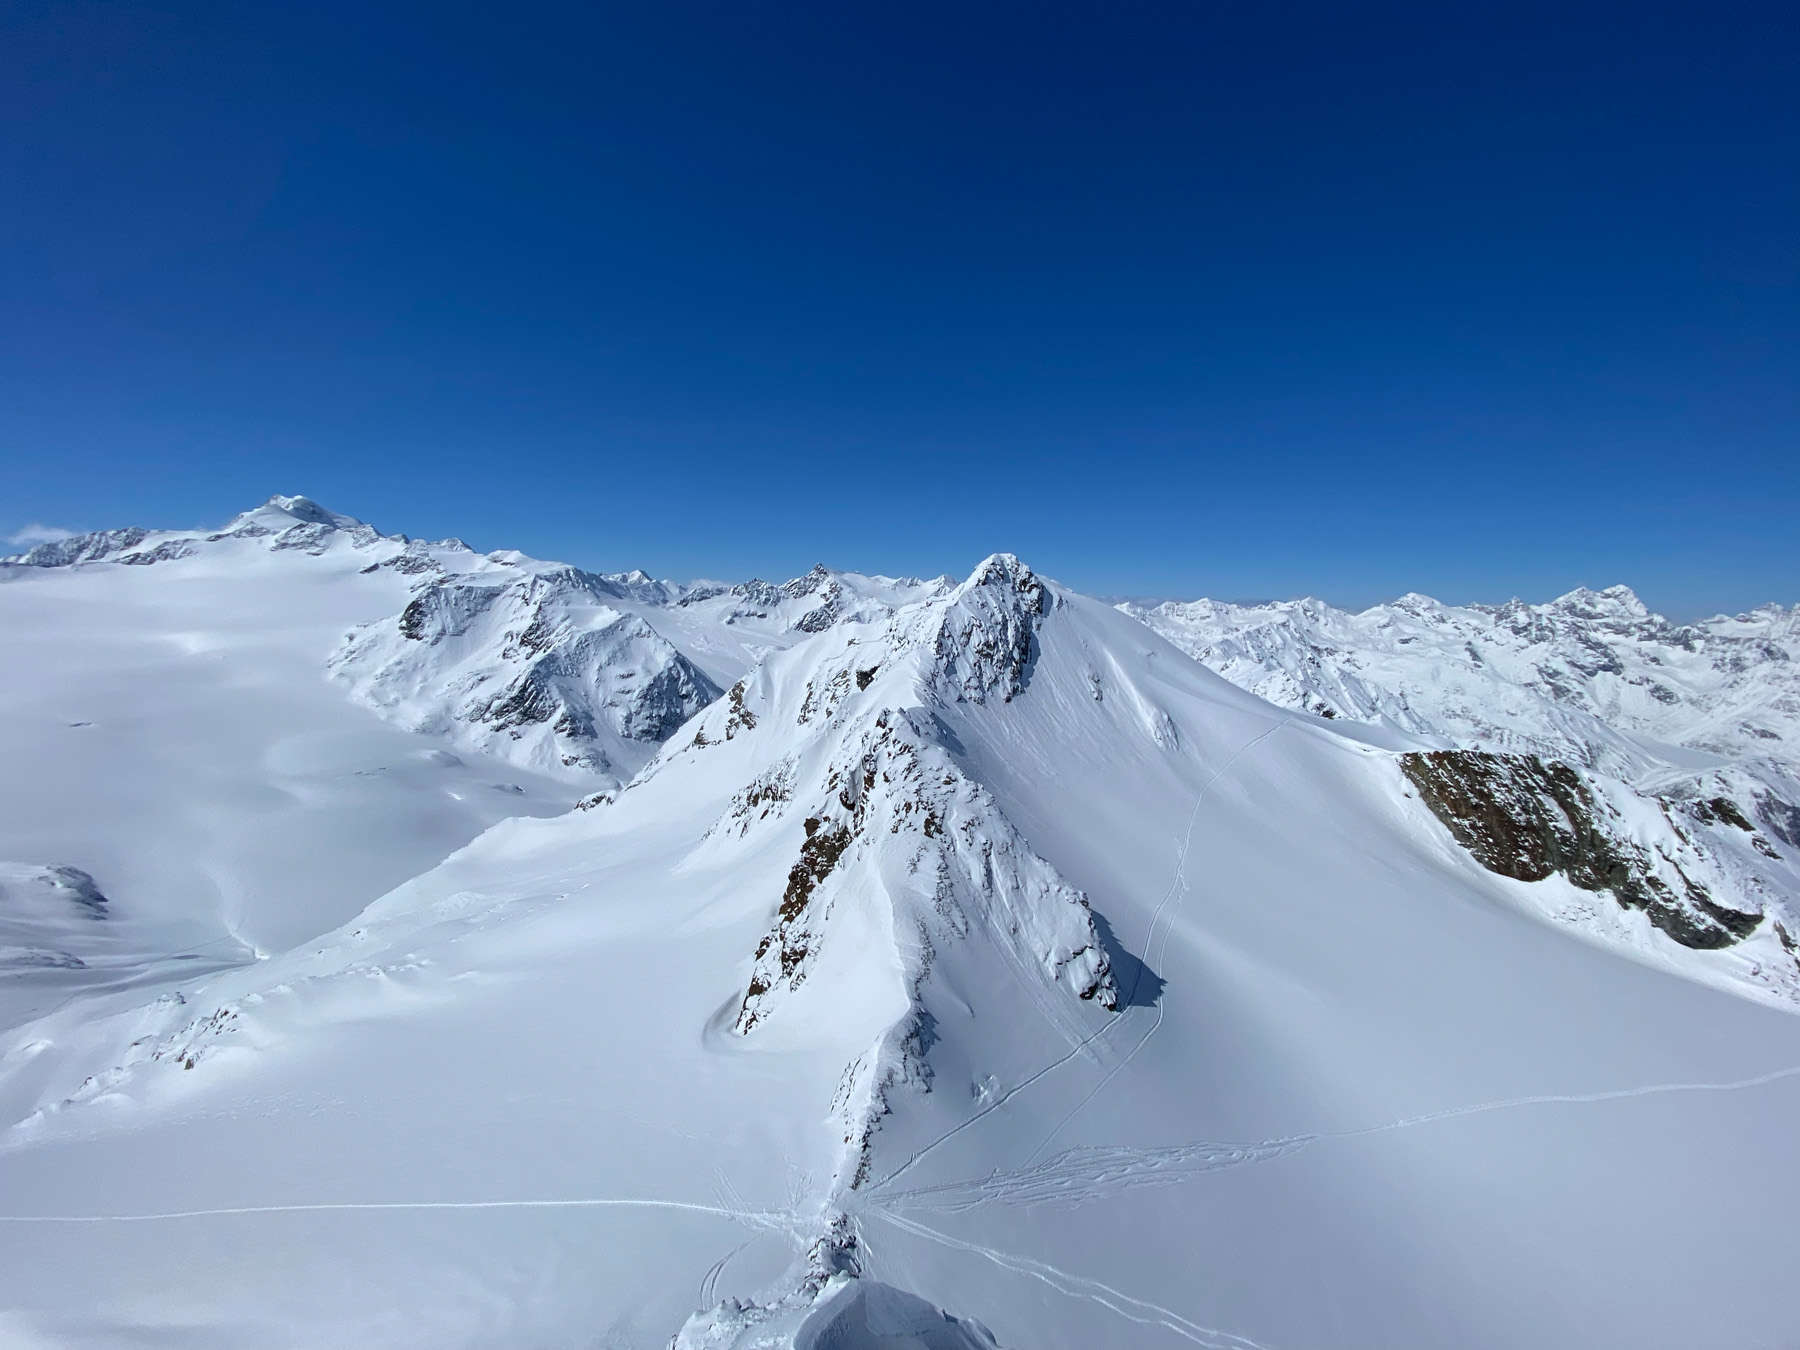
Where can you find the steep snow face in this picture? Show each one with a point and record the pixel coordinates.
(847, 1314)
(1326, 1113)
(1587, 678)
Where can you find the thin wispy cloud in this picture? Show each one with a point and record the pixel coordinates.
(29, 535)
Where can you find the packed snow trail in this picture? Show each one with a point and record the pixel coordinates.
(1078, 1175)
(760, 1219)
(1056, 1179)
(709, 1282)
(1568, 1099)
(1139, 1310)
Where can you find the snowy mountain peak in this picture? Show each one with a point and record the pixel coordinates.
(537, 664)
(984, 631)
(819, 577)
(1609, 602)
(280, 513)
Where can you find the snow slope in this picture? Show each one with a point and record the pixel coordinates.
(1702, 720)
(977, 970)
(172, 733)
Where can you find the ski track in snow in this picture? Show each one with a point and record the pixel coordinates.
(1179, 886)
(760, 1219)
(709, 1282)
(1078, 1175)
(1088, 1173)
(1075, 1286)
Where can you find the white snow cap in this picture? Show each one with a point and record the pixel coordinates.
(278, 513)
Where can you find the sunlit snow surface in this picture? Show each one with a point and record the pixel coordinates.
(1358, 1091)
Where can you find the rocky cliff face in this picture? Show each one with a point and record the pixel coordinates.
(1529, 819)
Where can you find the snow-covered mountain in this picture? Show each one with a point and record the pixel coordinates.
(877, 964)
(1593, 678)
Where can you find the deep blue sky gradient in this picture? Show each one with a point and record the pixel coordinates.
(1241, 300)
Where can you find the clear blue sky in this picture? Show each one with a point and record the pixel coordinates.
(1243, 300)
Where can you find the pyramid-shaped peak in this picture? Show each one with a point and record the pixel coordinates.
(1002, 571)
(1614, 600)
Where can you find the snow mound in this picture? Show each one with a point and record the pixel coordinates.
(848, 1313)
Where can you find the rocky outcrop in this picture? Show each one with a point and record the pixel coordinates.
(1528, 818)
(80, 548)
(986, 635)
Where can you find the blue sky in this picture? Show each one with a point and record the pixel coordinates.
(1172, 300)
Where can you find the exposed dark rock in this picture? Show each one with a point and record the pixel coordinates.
(1782, 818)
(1720, 809)
(988, 638)
(825, 844)
(739, 718)
(1526, 818)
(167, 551)
(758, 592)
(814, 580)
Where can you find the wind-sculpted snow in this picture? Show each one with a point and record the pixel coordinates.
(845, 1314)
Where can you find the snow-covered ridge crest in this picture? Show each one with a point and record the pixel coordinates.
(907, 883)
(857, 707)
(286, 522)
